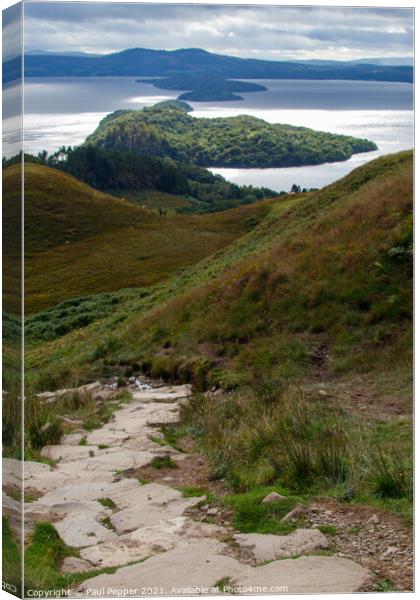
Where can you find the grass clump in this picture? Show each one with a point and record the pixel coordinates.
(193, 492)
(391, 477)
(108, 503)
(303, 444)
(384, 585)
(224, 584)
(163, 462)
(328, 529)
(252, 516)
(43, 557)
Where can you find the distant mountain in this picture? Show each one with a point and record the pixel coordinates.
(405, 61)
(159, 63)
(390, 62)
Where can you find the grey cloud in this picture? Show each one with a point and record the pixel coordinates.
(258, 30)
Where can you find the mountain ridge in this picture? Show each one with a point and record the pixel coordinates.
(147, 62)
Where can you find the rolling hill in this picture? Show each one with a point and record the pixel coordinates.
(157, 63)
(81, 241)
(321, 284)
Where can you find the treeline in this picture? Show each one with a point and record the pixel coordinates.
(111, 170)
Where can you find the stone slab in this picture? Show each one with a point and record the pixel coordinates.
(181, 571)
(83, 530)
(263, 547)
(304, 575)
(147, 514)
(72, 564)
(148, 541)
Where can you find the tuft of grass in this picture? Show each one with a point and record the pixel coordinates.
(42, 432)
(384, 585)
(328, 529)
(391, 476)
(106, 522)
(108, 503)
(163, 462)
(224, 585)
(193, 492)
(251, 516)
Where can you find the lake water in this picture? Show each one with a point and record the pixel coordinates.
(63, 111)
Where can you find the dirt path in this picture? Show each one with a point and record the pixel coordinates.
(148, 531)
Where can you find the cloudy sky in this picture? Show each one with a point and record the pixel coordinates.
(249, 31)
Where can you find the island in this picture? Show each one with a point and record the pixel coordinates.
(205, 87)
(169, 131)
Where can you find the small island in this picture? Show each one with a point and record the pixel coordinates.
(205, 87)
(167, 130)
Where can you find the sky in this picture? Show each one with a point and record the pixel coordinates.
(266, 32)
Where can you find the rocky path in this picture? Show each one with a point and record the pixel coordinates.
(144, 531)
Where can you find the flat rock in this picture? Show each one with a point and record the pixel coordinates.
(39, 511)
(89, 491)
(146, 514)
(67, 453)
(304, 575)
(143, 496)
(72, 564)
(147, 541)
(82, 530)
(170, 393)
(189, 569)
(264, 547)
(73, 439)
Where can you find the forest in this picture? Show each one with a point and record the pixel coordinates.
(244, 141)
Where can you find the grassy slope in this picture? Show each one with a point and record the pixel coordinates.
(330, 270)
(80, 241)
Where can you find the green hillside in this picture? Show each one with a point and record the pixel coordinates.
(79, 241)
(242, 141)
(304, 322)
(323, 281)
